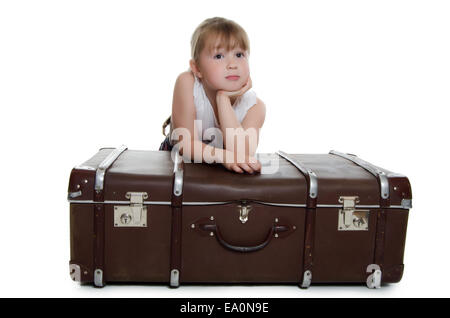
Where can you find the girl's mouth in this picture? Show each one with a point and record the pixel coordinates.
(232, 78)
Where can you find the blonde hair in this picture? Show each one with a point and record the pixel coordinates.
(229, 33)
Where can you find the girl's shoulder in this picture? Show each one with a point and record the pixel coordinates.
(183, 101)
(186, 80)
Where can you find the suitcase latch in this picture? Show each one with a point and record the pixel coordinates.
(350, 218)
(133, 215)
(244, 210)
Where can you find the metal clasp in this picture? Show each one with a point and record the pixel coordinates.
(75, 272)
(133, 215)
(350, 218)
(374, 279)
(244, 210)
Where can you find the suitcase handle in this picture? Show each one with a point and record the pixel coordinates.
(213, 228)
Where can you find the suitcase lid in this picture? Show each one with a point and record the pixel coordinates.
(153, 172)
(292, 179)
(128, 171)
(340, 175)
(279, 182)
(313, 180)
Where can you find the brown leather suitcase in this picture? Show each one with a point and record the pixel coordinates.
(143, 216)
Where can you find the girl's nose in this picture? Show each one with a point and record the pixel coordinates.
(231, 64)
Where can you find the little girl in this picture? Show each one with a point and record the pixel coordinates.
(215, 93)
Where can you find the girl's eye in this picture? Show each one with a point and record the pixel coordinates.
(240, 54)
(218, 56)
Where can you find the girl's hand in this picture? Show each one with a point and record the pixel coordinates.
(250, 165)
(238, 93)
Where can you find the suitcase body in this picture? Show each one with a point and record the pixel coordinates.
(147, 216)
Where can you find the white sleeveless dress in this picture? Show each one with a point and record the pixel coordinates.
(205, 112)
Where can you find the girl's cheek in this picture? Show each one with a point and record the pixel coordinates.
(245, 79)
(246, 70)
(245, 65)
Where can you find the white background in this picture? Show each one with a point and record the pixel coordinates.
(366, 77)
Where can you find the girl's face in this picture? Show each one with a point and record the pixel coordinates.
(220, 69)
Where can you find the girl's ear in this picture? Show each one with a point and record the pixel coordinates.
(194, 68)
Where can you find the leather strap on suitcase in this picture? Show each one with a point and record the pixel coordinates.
(99, 216)
(383, 182)
(311, 203)
(177, 204)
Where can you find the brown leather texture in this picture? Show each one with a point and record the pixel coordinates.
(140, 171)
(202, 232)
(206, 260)
(138, 254)
(213, 182)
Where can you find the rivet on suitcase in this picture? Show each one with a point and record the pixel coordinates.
(143, 216)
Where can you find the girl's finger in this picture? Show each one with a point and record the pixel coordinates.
(237, 169)
(246, 167)
(255, 166)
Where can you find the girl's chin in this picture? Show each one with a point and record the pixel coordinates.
(231, 87)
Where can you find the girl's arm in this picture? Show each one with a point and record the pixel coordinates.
(250, 126)
(183, 117)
